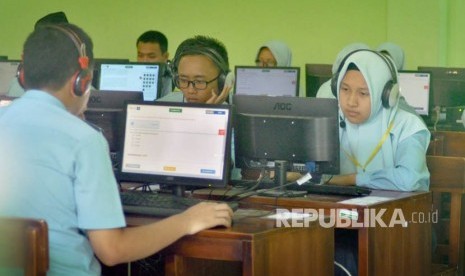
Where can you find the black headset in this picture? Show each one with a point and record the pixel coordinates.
(82, 79)
(390, 92)
(217, 59)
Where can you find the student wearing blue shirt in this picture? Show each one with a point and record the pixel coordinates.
(382, 145)
(56, 167)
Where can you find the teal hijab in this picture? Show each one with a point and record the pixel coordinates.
(385, 126)
(280, 51)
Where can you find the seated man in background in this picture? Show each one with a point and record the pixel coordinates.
(152, 46)
(54, 166)
(201, 71)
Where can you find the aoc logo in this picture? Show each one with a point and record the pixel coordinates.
(282, 106)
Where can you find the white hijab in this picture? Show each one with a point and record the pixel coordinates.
(345, 51)
(361, 140)
(280, 51)
(395, 52)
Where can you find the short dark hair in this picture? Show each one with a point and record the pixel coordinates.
(206, 46)
(154, 37)
(52, 18)
(50, 57)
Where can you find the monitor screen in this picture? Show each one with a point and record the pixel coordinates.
(448, 85)
(415, 86)
(270, 81)
(98, 62)
(142, 77)
(8, 71)
(315, 76)
(6, 100)
(177, 143)
(293, 129)
(105, 112)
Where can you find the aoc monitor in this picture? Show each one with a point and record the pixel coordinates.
(293, 129)
(268, 81)
(144, 77)
(415, 86)
(448, 85)
(178, 144)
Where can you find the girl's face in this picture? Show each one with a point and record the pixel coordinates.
(354, 97)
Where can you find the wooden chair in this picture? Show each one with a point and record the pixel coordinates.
(446, 163)
(24, 246)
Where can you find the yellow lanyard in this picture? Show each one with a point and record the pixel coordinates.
(375, 151)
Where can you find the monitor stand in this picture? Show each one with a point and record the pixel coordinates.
(280, 190)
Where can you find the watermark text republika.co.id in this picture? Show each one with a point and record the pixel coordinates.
(342, 218)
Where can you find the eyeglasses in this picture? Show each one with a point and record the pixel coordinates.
(260, 63)
(196, 84)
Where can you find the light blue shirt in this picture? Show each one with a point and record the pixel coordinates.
(409, 173)
(55, 167)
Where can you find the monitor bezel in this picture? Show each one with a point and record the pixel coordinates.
(161, 70)
(439, 73)
(430, 96)
(173, 180)
(296, 92)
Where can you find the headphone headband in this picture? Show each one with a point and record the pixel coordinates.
(80, 46)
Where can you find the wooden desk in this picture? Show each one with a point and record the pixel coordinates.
(252, 246)
(446, 163)
(382, 250)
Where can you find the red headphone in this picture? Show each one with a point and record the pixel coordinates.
(82, 79)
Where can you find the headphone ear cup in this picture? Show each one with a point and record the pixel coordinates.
(82, 82)
(225, 80)
(390, 94)
(394, 95)
(20, 75)
(334, 84)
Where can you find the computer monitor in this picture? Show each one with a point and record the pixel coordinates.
(179, 144)
(415, 86)
(8, 71)
(448, 85)
(144, 77)
(269, 81)
(98, 62)
(105, 111)
(315, 76)
(293, 129)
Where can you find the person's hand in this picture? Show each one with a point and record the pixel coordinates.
(219, 99)
(207, 215)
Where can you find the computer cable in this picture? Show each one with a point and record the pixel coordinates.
(263, 174)
(299, 182)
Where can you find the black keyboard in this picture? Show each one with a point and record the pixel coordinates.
(333, 190)
(158, 204)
